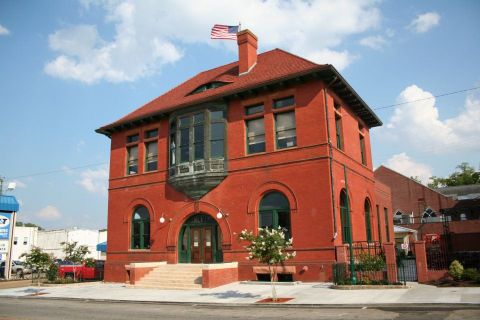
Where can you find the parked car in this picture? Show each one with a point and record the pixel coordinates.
(19, 268)
(81, 271)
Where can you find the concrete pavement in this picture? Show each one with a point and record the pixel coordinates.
(240, 293)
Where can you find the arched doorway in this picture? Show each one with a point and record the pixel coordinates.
(200, 240)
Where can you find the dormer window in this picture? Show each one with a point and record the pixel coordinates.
(208, 86)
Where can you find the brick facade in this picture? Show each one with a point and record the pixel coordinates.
(311, 175)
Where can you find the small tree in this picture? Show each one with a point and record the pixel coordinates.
(269, 246)
(75, 253)
(39, 260)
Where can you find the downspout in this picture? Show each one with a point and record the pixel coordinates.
(330, 160)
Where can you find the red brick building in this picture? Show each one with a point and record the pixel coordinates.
(271, 140)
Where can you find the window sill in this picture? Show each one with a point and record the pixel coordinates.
(138, 250)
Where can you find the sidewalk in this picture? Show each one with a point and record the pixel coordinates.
(237, 293)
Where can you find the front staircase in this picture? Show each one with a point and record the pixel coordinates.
(173, 276)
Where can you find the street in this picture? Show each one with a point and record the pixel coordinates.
(38, 308)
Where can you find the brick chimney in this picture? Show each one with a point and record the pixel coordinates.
(247, 51)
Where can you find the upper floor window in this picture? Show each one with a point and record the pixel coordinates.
(285, 130)
(151, 156)
(274, 212)
(140, 228)
(255, 135)
(284, 102)
(151, 134)
(362, 150)
(387, 224)
(25, 241)
(133, 138)
(132, 159)
(338, 126)
(257, 108)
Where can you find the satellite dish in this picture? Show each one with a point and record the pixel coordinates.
(11, 186)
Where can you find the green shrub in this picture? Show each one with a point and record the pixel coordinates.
(470, 274)
(52, 272)
(90, 262)
(456, 270)
(367, 262)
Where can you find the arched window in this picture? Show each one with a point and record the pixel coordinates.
(345, 217)
(368, 225)
(275, 212)
(140, 228)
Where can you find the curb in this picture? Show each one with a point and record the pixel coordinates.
(387, 306)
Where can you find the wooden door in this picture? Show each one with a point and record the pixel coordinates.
(201, 244)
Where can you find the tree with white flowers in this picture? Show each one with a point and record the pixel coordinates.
(271, 247)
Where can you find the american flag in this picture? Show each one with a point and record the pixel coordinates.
(220, 31)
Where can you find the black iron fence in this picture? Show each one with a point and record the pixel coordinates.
(342, 274)
(363, 248)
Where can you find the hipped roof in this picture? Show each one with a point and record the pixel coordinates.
(275, 68)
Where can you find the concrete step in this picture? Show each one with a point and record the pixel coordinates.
(174, 276)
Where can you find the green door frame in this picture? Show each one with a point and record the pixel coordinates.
(185, 256)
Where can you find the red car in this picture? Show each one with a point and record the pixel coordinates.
(67, 269)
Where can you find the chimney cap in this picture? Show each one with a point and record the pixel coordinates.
(247, 31)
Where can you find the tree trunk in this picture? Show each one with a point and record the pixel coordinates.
(272, 282)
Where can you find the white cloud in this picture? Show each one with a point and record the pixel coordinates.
(95, 181)
(374, 42)
(418, 123)
(4, 31)
(424, 22)
(403, 164)
(149, 36)
(49, 213)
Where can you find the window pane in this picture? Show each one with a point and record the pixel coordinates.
(185, 121)
(198, 133)
(184, 137)
(172, 149)
(266, 219)
(198, 118)
(284, 102)
(151, 133)
(255, 135)
(132, 138)
(199, 151)
(185, 153)
(217, 131)
(254, 109)
(173, 125)
(286, 139)
(151, 156)
(217, 149)
(132, 160)
(284, 221)
(285, 121)
(216, 115)
(274, 200)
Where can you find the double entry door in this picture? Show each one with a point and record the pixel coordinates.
(201, 244)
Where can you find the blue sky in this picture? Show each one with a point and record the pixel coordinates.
(69, 67)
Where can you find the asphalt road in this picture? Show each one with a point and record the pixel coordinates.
(37, 308)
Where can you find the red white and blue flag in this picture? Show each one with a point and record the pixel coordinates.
(220, 31)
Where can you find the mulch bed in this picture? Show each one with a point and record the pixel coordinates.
(270, 300)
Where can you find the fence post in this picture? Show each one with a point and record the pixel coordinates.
(421, 261)
(391, 261)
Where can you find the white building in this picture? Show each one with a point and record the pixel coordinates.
(49, 241)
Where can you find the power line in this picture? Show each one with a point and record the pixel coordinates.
(59, 170)
(437, 96)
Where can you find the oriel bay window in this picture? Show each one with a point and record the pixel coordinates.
(197, 149)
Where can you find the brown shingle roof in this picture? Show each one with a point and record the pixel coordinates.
(272, 66)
